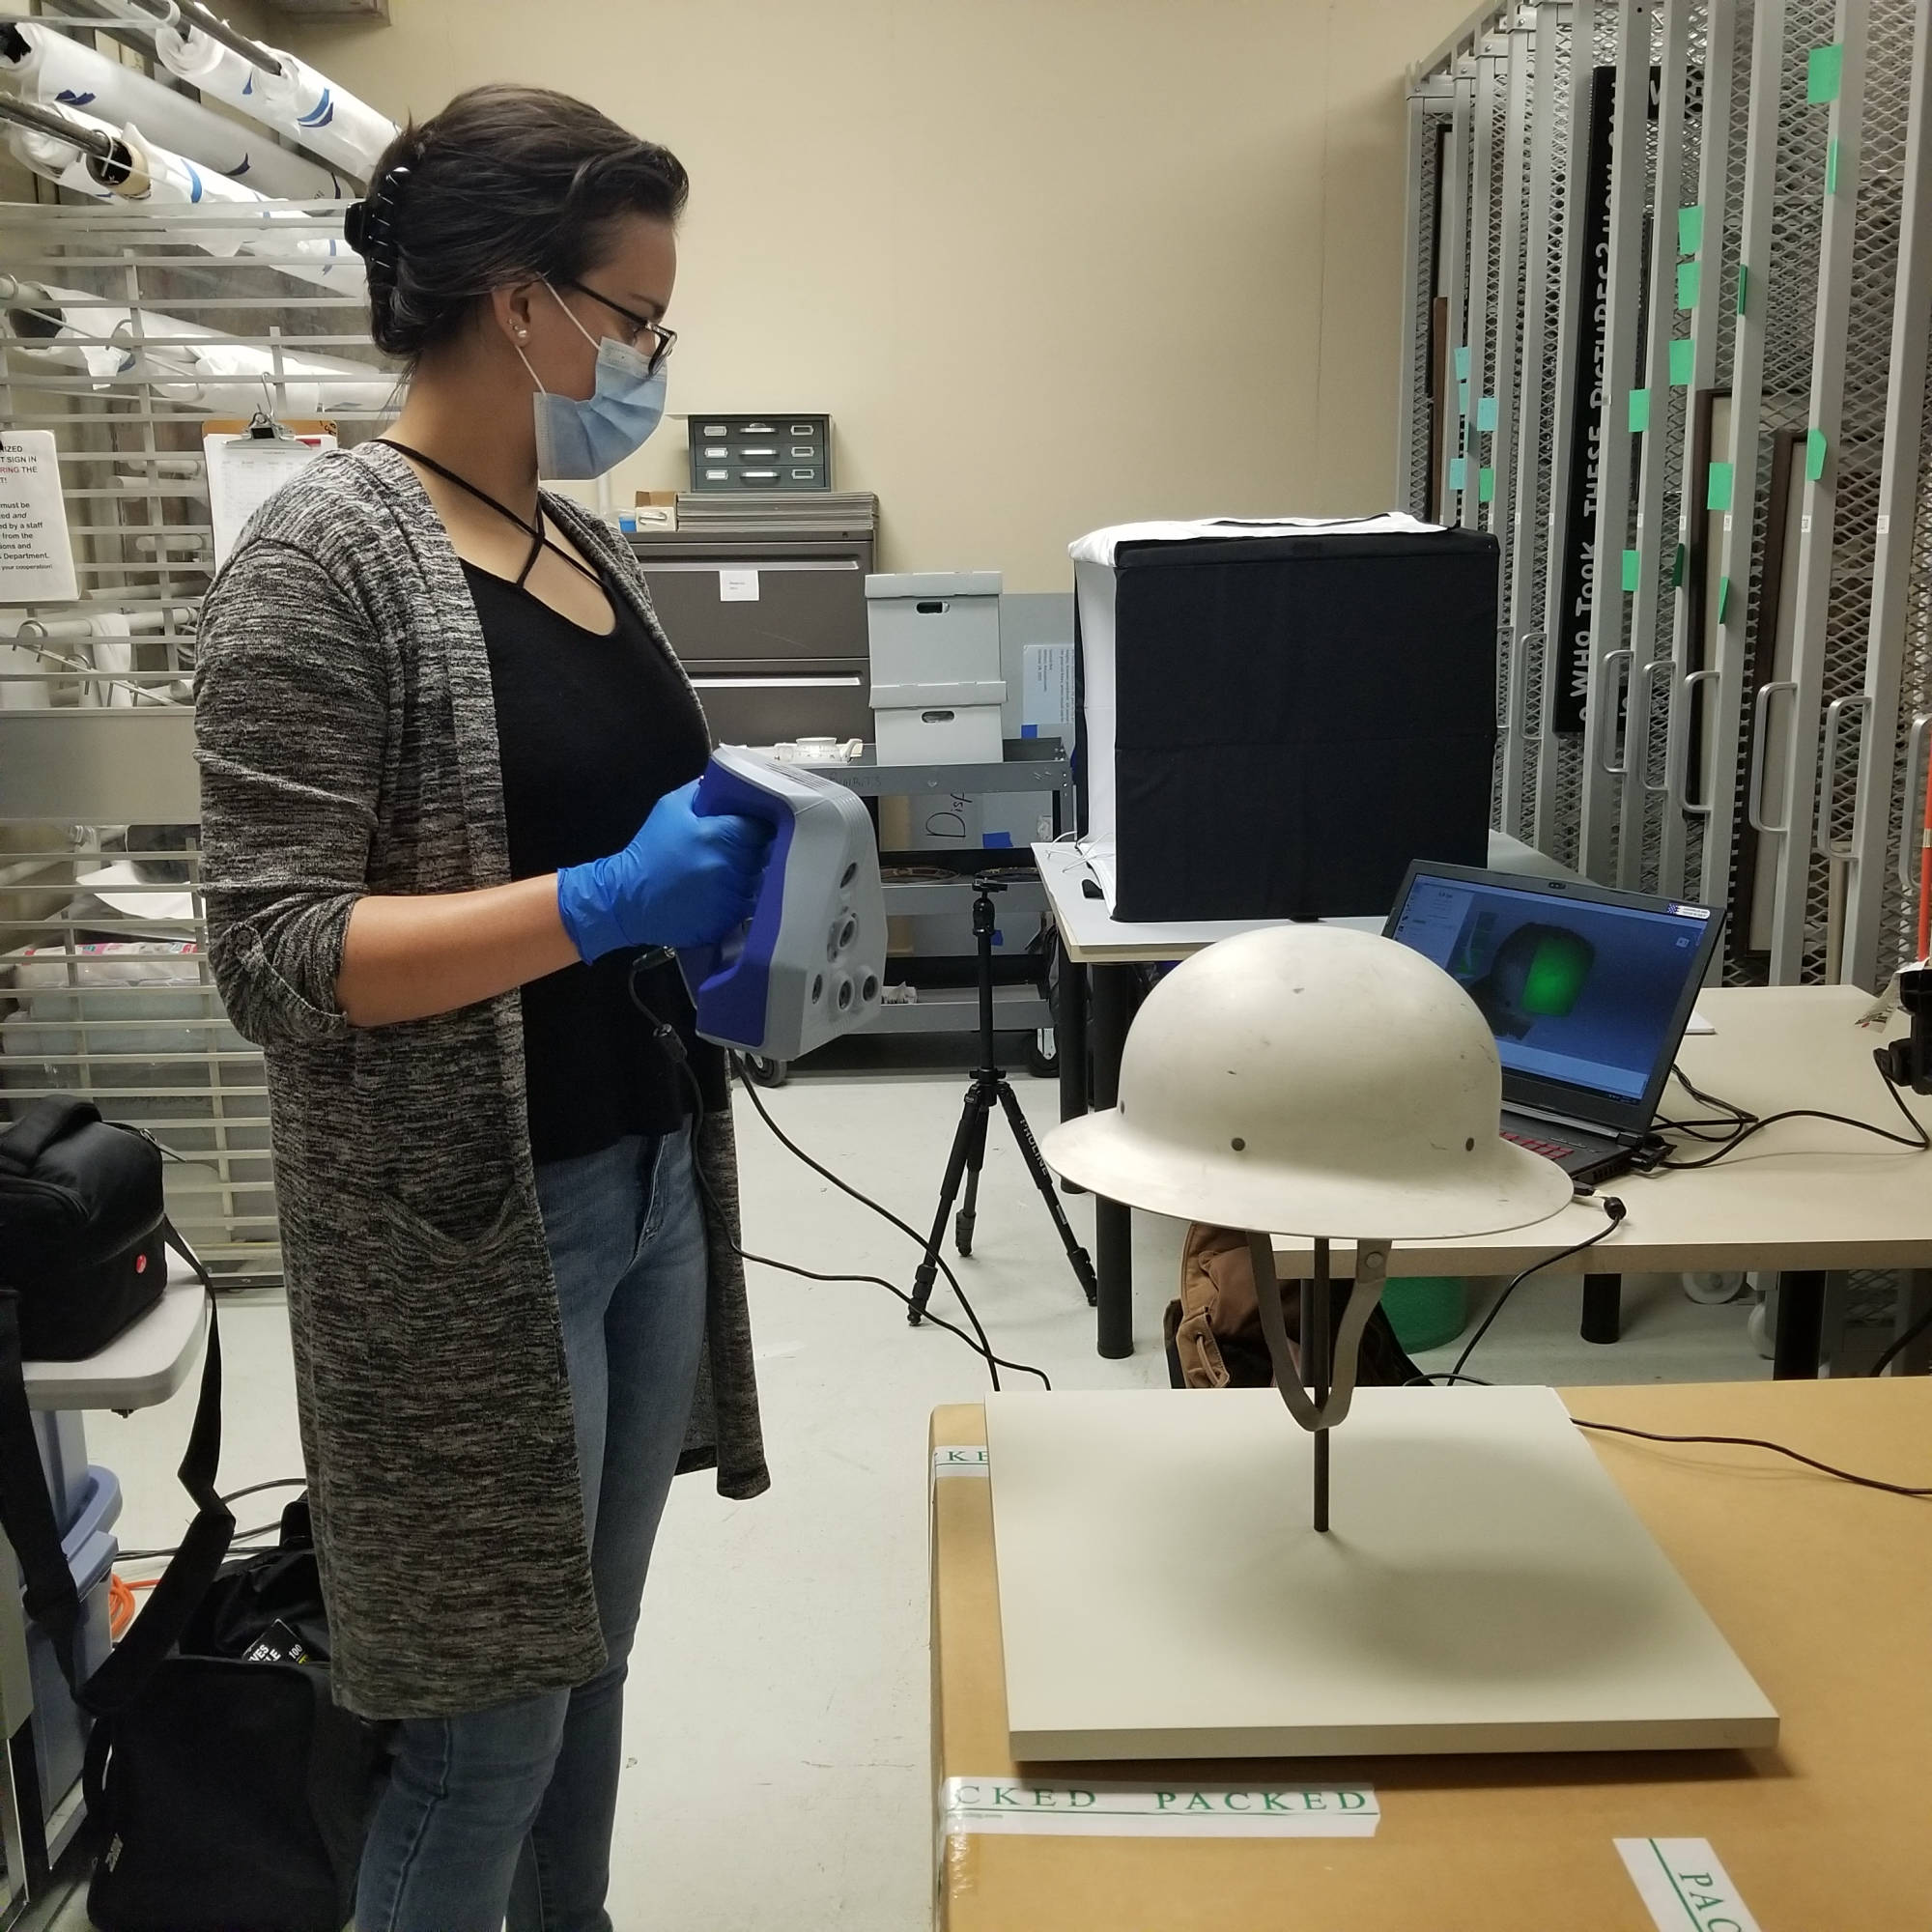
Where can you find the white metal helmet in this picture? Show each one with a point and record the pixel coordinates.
(1315, 1081)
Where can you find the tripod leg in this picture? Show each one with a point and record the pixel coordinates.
(1042, 1178)
(976, 1158)
(972, 1120)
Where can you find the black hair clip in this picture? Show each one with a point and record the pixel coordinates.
(369, 225)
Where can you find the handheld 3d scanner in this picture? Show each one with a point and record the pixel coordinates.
(809, 964)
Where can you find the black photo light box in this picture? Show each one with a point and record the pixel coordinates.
(1286, 723)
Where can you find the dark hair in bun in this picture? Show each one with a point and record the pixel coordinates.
(507, 183)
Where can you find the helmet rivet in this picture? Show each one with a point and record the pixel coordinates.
(1238, 1145)
(1469, 1147)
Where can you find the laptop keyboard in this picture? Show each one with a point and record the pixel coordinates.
(1548, 1150)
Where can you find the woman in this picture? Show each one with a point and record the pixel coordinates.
(447, 777)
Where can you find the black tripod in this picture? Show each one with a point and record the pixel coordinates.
(969, 1144)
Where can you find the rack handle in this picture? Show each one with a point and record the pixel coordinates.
(1690, 808)
(1606, 680)
(1537, 639)
(1642, 698)
(1914, 810)
(1754, 796)
(1828, 764)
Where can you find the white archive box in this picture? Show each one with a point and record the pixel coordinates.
(937, 687)
(945, 725)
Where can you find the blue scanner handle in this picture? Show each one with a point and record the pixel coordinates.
(723, 792)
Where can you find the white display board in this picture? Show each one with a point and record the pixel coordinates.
(1485, 1587)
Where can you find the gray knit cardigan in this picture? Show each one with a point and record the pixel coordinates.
(348, 745)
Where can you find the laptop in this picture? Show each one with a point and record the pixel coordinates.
(1586, 990)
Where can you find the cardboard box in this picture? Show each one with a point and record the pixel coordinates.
(656, 510)
(1821, 1586)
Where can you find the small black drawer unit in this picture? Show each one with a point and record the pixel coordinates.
(774, 452)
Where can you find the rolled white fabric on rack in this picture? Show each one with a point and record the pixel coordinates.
(200, 368)
(296, 101)
(113, 651)
(57, 161)
(52, 69)
(204, 369)
(158, 177)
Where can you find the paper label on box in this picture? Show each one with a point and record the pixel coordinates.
(1046, 688)
(737, 586)
(36, 557)
(959, 1459)
(1074, 1809)
(1683, 1886)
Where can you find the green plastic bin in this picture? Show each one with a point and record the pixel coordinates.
(1427, 1310)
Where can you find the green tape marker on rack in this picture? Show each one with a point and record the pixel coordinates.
(1686, 284)
(1831, 169)
(1690, 229)
(1486, 484)
(1717, 486)
(1823, 73)
(1459, 472)
(1639, 411)
(1463, 397)
(1683, 364)
(1630, 568)
(1677, 565)
(1724, 597)
(1486, 413)
(1814, 455)
(1463, 363)
(1744, 288)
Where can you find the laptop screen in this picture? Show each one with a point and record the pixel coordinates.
(1580, 994)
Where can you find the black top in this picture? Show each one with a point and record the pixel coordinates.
(592, 731)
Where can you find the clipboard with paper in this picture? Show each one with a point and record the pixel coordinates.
(247, 463)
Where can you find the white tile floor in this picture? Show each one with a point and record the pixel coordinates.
(778, 1769)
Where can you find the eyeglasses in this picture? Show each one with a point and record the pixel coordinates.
(662, 340)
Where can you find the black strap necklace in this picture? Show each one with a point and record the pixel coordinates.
(540, 540)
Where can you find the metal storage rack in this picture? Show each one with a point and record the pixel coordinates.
(1677, 362)
(101, 312)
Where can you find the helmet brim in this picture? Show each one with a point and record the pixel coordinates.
(1499, 1187)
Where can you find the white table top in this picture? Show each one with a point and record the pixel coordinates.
(142, 1366)
(1093, 937)
(1804, 1194)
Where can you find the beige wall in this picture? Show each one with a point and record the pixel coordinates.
(1049, 264)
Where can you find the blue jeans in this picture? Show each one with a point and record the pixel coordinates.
(510, 1811)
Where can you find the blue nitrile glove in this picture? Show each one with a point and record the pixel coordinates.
(684, 880)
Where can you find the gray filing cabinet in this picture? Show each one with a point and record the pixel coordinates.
(763, 599)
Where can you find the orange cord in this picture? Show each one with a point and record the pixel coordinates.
(121, 1603)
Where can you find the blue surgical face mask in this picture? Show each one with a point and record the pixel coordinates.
(581, 438)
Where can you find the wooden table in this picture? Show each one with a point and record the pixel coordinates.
(1805, 1198)
(1095, 1005)
(1820, 1586)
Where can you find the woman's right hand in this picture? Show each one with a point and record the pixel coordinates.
(685, 879)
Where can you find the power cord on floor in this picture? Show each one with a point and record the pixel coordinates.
(982, 1346)
(671, 1045)
(240, 1535)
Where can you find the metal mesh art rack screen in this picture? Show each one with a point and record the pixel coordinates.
(130, 335)
(1676, 361)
